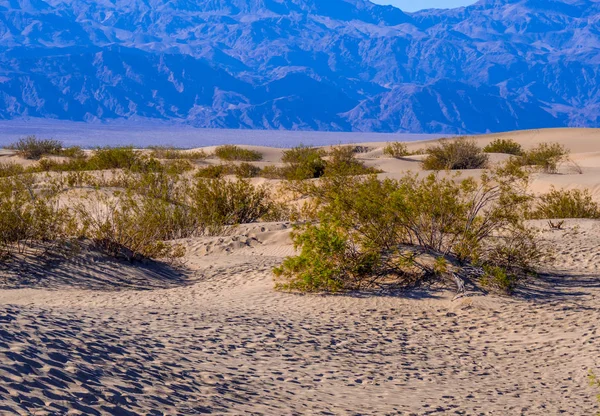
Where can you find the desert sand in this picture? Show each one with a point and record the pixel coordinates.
(96, 336)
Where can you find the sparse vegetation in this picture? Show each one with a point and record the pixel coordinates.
(231, 153)
(573, 203)
(595, 383)
(371, 233)
(546, 157)
(396, 150)
(458, 154)
(31, 217)
(506, 146)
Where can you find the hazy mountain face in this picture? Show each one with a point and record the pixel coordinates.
(304, 64)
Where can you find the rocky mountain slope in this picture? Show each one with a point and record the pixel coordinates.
(304, 64)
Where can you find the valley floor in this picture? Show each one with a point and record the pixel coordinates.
(95, 337)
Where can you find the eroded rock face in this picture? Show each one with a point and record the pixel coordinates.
(304, 64)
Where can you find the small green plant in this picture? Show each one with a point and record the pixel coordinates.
(546, 156)
(327, 262)
(558, 204)
(396, 149)
(457, 154)
(233, 153)
(595, 383)
(506, 146)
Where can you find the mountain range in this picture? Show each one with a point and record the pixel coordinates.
(337, 65)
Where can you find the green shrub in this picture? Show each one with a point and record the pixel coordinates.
(31, 147)
(220, 202)
(374, 232)
(458, 154)
(595, 383)
(506, 146)
(232, 153)
(327, 261)
(127, 225)
(10, 169)
(165, 152)
(566, 204)
(396, 149)
(107, 158)
(213, 171)
(246, 170)
(74, 152)
(546, 156)
(303, 163)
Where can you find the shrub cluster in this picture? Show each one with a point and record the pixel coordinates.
(373, 232)
(506, 146)
(566, 204)
(232, 153)
(458, 154)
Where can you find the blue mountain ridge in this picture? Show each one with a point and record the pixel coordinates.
(340, 65)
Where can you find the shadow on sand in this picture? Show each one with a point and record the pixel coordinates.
(88, 269)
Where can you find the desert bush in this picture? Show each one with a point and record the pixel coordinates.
(232, 153)
(506, 146)
(221, 202)
(11, 169)
(166, 152)
(303, 162)
(458, 154)
(129, 226)
(396, 149)
(372, 232)
(31, 147)
(246, 170)
(107, 158)
(213, 171)
(566, 204)
(546, 156)
(342, 161)
(31, 217)
(74, 152)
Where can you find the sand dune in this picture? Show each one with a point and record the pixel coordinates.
(94, 336)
